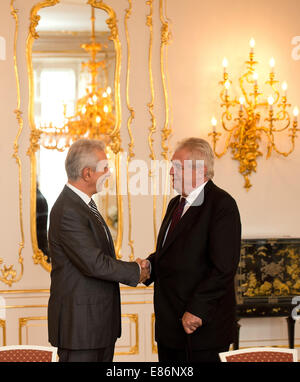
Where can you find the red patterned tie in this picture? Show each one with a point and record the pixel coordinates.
(177, 214)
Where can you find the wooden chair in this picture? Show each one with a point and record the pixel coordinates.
(260, 354)
(27, 353)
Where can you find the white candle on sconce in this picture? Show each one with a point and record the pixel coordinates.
(225, 64)
(214, 124)
(284, 87)
(2, 48)
(255, 78)
(270, 102)
(295, 112)
(252, 45)
(272, 64)
(227, 86)
(242, 101)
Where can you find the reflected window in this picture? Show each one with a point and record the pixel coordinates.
(55, 87)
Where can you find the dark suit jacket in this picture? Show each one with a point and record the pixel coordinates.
(194, 271)
(84, 304)
(42, 222)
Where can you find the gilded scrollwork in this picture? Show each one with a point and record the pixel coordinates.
(166, 130)
(115, 143)
(8, 274)
(115, 139)
(129, 122)
(38, 256)
(3, 326)
(150, 105)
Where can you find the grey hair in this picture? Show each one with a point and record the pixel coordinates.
(82, 154)
(199, 149)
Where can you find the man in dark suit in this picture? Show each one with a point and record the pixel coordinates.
(42, 222)
(84, 319)
(195, 261)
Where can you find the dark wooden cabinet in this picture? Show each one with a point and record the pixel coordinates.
(268, 278)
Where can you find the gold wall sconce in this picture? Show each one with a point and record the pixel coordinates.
(254, 115)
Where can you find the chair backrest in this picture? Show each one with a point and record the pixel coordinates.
(27, 353)
(261, 354)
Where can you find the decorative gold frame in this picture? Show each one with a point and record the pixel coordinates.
(3, 326)
(150, 105)
(166, 131)
(129, 122)
(115, 143)
(23, 323)
(153, 342)
(8, 274)
(134, 349)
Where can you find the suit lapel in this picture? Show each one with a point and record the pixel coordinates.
(166, 222)
(188, 217)
(77, 199)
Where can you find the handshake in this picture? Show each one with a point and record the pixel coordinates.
(145, 269)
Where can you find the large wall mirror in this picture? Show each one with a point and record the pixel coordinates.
(73, 56)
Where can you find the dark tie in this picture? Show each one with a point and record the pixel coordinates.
(177, 214)
(94, 208)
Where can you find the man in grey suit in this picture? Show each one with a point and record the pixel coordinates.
(84, 313)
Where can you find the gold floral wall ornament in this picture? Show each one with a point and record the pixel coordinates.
(8, 274)
(252, 117)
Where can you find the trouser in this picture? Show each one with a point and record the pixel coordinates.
(89, 355)
(166, 354)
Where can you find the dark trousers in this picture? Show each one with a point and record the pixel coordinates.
(166, 354)
(91, 355)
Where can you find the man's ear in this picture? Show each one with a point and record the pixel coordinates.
(86, 174)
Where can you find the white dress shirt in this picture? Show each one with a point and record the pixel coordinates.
(192, 197)
(189, 201)
(87, 199)
(83, 195)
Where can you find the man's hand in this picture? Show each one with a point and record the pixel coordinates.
(145, 269)
(190, 322)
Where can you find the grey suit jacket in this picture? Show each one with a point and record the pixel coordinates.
(84, 306)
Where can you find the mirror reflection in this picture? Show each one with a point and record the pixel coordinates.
(73, 65)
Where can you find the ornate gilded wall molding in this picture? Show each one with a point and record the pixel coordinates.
(150, 105)
(23, 324)
(8, 274)
(3, 326)
(115, 143)
(154, 345)
(38, 255)
(166, 130)
(129, 122)
(134, 349)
